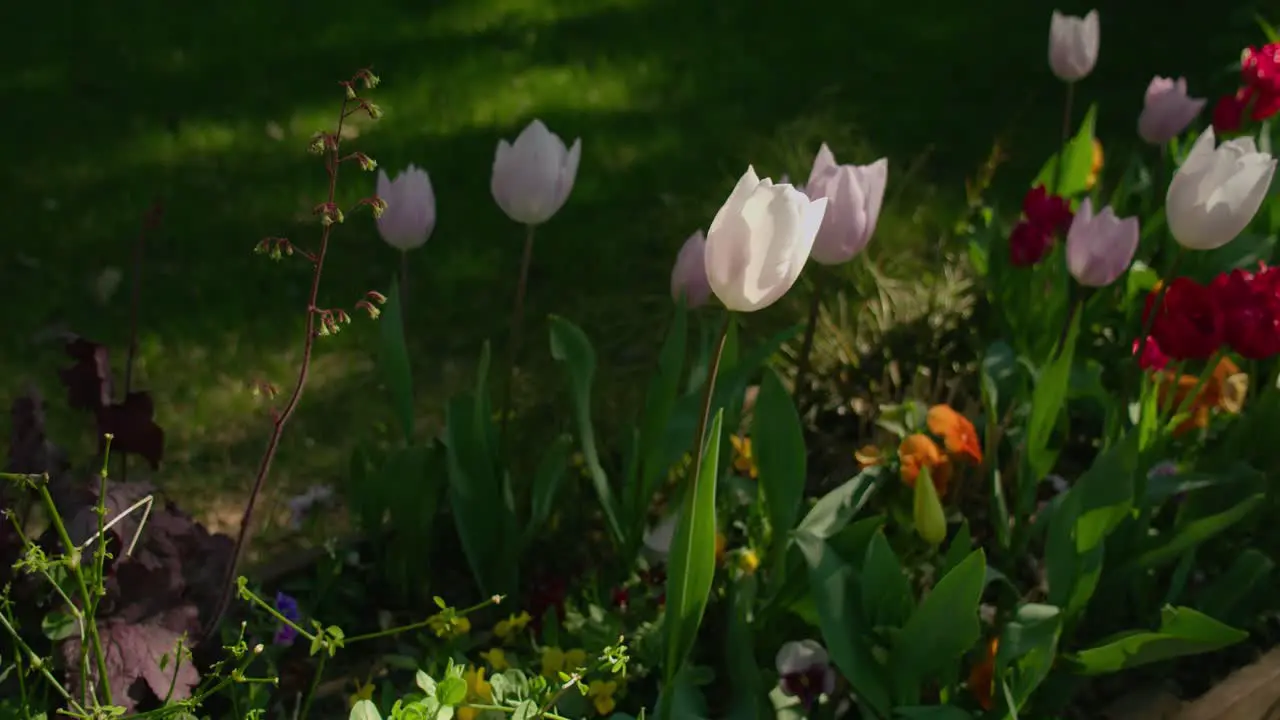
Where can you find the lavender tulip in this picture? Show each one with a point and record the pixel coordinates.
(1100, 247)
(854, 195)
(411, 208)
(689, 276)
(533, 176)
(1167, 110)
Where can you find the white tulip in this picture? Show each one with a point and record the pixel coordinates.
(1217, 191)
(532, 177)
(411, 208)
(1073, 45)
(759, 242)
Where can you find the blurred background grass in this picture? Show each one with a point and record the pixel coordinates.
(208, 107)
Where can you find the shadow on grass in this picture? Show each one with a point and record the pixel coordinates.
(209, 109)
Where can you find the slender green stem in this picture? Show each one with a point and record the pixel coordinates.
(517, 325)
(315, 683)
(252, 597)
(404, 292)
(709, 393)
(36, 662)
(100, 554)
(77, 571)
(19, 666)
(420, 624)
(573, 681)
(235, 676)
(511, 711)
(810, 330)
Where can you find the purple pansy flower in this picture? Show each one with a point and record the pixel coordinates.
(287, 606)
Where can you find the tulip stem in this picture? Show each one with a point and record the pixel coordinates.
(404, 292)
(1066, 138)
(708, 393)
(806, 346)
(1149, 321)
(517, 323)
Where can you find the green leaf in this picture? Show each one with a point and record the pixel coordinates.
(1160, 488)
(451, 691)
(1183, 631)
(414, 480)
(1267, 29)
(660, 403)
(546, 484)
(58, 625)
(527, 710)
(777, 438)
(999, 371)
(1029, 645)
(1244, 580)
(364, 710)
(425, 682)
(833, 584)
(748, 689)
(476, 496)
(886, 593)
(960, 547)
(837, 508)
(394, 361)
(570, 346)
(1086, 514)
(692, 562)
(942, 629)
(1077, 161)
(1193, 533)
(1047, 400)
(932, 712)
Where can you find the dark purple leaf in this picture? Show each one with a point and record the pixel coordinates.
(132, 427)
(135, 653)
(88, 381)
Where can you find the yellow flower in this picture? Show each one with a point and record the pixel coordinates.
(556, 661)
(514, 624)
(743, 460)
(444, 628)
(1098, 160)
(601, 694)
(748, 561)
(574, 659)
(478, 691)
(497, 659)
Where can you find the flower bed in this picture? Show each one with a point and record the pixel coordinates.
(1068, 495)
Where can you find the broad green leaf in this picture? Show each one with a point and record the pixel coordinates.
(546, 484)
(1028, 647)
(834, 586)
(364, 710)
(527, 710)
(959, 549)
(1183, 631)
(932, 712)
(1160, 488)
(999, 371)
(1193, 533)
(1268, 29)
(660, 403)
(474, 493)
(570, 346)
(1047, 400)
(414, 479)
(886, 593)
(58, 625)
(837, 508)
(941, 630)
(393, 360)
(1085, 515)
(692, 562)
(1077, 161)
(451, 691)
(425, 682)
(748, 697)
(1245, 579)
(777, 438)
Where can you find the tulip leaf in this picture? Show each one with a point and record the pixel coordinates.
(1244, 580)
(1077, 158)
(932, 712)
(394, 361)
(1268, 29)
(1085, 515)
(546, 484)
(1195, 532)
(570, 346)
(475, 494)
(1183, 631)
(886, 593)
(837, 508)
(941, 630)
(1047, 400)
(777, 439)
(749, 694)
(1028, 645)
(692, 563)
(660, 403)
(414, 479)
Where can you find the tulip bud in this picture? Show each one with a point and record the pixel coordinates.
(854, 194)
(927, 513)
(1073, 45)
(1167, 110)
(1216, 192)
(689, 276)
(410, 213)
(759, 242)
(532, 177)
(1100, 248)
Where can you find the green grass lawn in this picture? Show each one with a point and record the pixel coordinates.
(209, 107)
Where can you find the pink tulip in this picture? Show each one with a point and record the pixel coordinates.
(411, 208)
(689, 276)
(1167, 110)
(1100, 247)
(854, 194)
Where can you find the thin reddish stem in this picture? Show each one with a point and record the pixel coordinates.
(333, 160)
(150, 223)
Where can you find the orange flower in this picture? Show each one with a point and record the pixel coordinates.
(957, 433)
(982, 675)
(1099, 159)
(1222, 389)
(920, 451)
(867, 456)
